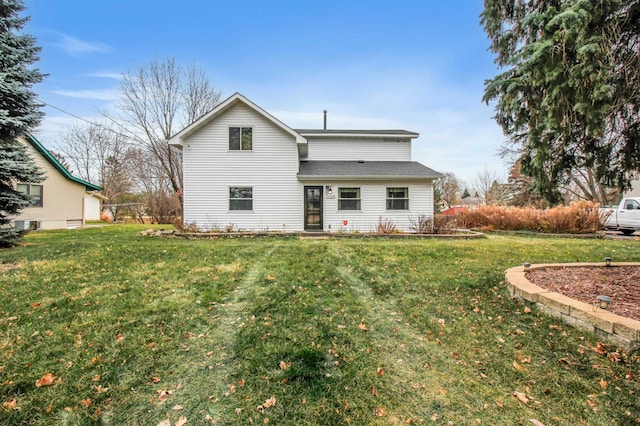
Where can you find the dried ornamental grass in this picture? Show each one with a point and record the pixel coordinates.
(578, 217)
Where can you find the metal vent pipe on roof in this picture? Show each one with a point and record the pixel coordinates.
(325, 119)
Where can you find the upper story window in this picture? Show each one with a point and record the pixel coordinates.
(348, 198)
(34, 191)
(240, 138)
(397, 198)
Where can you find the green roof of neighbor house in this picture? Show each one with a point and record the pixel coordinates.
(56, 164)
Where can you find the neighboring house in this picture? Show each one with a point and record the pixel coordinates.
(244, 169)
(471, 202)
(635, 186)
(61, 200)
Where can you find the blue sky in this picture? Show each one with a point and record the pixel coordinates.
(413, 65)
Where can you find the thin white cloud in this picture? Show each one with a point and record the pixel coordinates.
(75, 47)
(98, 94)
(106, 74)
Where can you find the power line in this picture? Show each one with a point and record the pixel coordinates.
(131, 136)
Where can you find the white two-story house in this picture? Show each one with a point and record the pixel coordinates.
(246, 170)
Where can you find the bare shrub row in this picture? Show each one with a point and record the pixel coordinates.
(578, 217)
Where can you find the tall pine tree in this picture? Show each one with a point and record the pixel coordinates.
(18, 114)
(569, 94)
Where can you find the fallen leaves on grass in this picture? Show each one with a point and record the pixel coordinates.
(284, 365)
(270, 277)
(521, 397)
(379, 412)
(181, 421)
(100, 389)
(11, 404)
(536, 422)
(267, 404)
(380, 371)
(46, 380)
(362, 326)
(85, 402)
(163, 395)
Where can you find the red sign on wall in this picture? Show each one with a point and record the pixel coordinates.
(345, 222)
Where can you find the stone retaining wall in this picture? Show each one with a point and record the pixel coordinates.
(621, 331)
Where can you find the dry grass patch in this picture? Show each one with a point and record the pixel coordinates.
(578, 217)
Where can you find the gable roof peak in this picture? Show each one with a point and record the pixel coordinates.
(178, 138)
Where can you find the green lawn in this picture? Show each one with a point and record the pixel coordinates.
(285, 331)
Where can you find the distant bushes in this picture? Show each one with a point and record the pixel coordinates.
(578, 217)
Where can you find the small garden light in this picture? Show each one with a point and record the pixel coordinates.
(607, 261)
(526, 266)
(604, 301)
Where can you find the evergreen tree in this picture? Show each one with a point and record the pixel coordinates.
(569, 95)
(18, 114)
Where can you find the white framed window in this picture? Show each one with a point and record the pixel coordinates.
(240, 138)
(348, 198)
(240, 198)
(33, 191)
(397, 198)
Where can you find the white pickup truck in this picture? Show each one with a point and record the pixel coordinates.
(624, 218)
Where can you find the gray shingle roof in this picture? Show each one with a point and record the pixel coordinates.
(328, 132)
(366, 169)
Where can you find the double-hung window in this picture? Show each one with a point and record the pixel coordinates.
(240, 138)
(397, 198)
(240, 198)
(33, 191)
(348, 198)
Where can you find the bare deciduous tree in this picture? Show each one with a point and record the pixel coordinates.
(101, 155)
(483, 184)
(448, 188)
(157, 101)
(584, 185)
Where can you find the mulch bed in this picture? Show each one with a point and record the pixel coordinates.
(620, 283)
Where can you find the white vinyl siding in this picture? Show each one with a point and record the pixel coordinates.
(373, 199)
(353, 149)
(270, 169)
